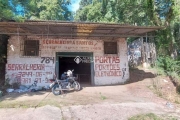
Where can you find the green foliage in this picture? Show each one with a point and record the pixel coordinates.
(138, 12)
(114, 11)
(35, 10)
(170, 66)
(19, 18)
(102, 96)
(47, 10)
(5, 10)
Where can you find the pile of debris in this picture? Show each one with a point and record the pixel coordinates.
(23, 88)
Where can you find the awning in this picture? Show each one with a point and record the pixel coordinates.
(74, 29)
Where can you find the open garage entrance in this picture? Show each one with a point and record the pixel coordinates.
(81, 63)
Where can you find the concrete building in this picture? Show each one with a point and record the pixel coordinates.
(97, 52)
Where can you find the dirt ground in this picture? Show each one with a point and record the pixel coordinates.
(95, 102)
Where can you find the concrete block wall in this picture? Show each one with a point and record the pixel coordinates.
(108, 69)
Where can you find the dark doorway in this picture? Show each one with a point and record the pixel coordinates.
(3, 57)
(82, 70)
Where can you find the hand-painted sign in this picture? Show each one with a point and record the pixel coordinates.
(107, 66)
(56, 44)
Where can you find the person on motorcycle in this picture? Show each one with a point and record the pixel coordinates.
(64, 76)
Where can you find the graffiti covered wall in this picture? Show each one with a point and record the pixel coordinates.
(108, 69)
(141, 51)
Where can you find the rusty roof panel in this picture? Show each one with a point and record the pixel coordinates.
(73, 29)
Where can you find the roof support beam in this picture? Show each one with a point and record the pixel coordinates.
(75, 35)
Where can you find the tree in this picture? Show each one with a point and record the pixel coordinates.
(5, 10)
(44, 9)
(138, 12)
(114, 11)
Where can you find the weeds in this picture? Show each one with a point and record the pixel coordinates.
(30, 104)
(165, 65)
(50, 102)
(177, 99)
(149, 116)
(152, 116)
(14, 105)
(157, 87)
(102, 97)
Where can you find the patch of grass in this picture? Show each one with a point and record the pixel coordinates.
(102, 96)
(165, 117)
(177, 99)
(149, 116)
(29, 104)
(159, 71)
(63, 118)
(152, 116)
(53, 103)
(15, 105)
(157, 87)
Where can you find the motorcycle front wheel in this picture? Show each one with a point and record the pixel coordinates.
(55, 90)
(76, 86)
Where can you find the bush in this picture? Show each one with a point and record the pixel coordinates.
(170, 67)
(168, 64)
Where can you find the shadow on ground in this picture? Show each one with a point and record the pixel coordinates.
(15, 95)
(137, 75)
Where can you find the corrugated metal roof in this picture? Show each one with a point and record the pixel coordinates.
(74, 29)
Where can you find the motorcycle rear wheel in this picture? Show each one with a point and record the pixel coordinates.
(54, 91)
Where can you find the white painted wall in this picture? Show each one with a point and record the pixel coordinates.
(119, 63)
(28, 69)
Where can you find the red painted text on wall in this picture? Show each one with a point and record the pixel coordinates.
(67, 42)
(26, 66)
(108, 66)
(107, 59)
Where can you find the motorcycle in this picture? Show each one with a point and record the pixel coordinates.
(67, 84)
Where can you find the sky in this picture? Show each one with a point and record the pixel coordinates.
(74, 6)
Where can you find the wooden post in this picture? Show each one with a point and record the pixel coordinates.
(142, 50)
